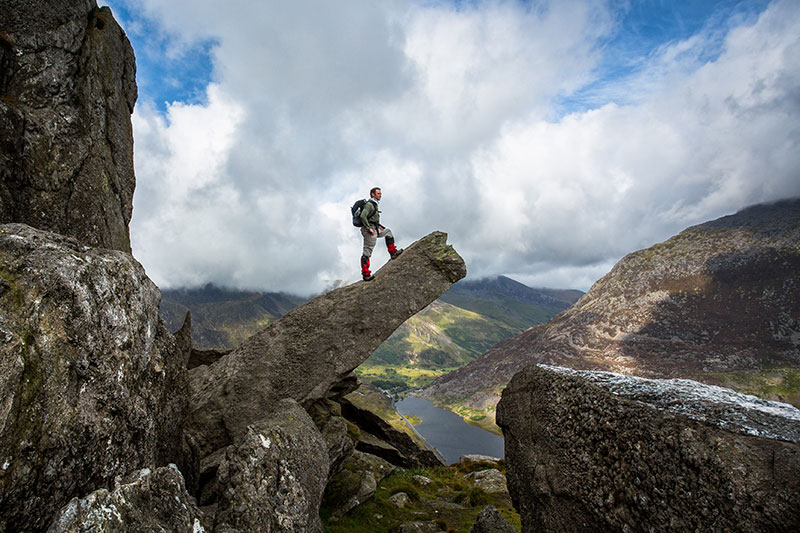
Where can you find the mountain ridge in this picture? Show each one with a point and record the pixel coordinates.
(719, 297)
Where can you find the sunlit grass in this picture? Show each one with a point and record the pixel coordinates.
(449, 484)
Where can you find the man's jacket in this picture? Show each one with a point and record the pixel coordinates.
(370, 216)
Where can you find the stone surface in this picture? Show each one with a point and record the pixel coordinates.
(154, 501)
(718, 297)
(92, 386)
(311, 348)
(491, 481)
(491, 521)
(477, 458)
(582, 458)
(422, 480)
(67, 91)
(274, 478)
(399, 500)
(418, 527)
(340, 446)
(380, 438)
(356, 483)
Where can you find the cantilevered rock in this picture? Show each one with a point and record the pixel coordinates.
(314, 346)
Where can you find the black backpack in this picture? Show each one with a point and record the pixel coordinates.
(356, 212)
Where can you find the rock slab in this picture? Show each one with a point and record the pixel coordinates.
(582, 458)
(92, 385)
(67, 91)
(154, 501)
(274, 479)
(313, 347)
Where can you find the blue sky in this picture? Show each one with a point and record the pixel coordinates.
(181, 75)
(548, 139)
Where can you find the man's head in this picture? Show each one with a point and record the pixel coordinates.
(375, 192)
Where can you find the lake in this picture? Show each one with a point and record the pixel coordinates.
(447, 432)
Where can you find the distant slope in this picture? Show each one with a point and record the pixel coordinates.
(510, 302)
(223, 318)
(469, 319)
(442, 337)
(720, 303)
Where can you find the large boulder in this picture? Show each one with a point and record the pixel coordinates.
(491, 521)
(92, 385)
(595, 451)
(152, 501)
(379, 437)
(356, 482)
(67, 91)
(313, 347)
(274, 478)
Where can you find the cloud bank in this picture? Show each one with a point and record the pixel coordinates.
(459, 115)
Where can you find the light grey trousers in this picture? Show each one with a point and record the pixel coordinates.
(371, 239)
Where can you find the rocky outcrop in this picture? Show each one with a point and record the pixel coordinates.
(592, 451)
(67, 91)
(307, 351)
(152, 501)
(378, 437)
(274, 478)
(719, 297)
(356, 482)
(92, 386)
(491, 521)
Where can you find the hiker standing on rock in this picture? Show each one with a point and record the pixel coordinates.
(372, 230)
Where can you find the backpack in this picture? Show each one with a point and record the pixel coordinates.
(356, 212)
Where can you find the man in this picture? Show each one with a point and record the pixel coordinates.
(372, 230)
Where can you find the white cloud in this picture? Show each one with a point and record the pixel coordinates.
(451, 112)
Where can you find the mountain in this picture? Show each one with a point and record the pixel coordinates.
(223, 318)
(509, 301)
(466, 321)
(720, 302)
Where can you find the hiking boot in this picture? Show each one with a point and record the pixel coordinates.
(396, 253)
(368, 277)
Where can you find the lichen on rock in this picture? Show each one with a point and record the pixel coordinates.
(93, 386)
(582, 457)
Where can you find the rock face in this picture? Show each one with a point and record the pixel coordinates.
(307, 351)
(153, 501)
(67, 91)
(588, 452)
(356, 483)
(273, 479)
(383, 440)
(722, 296)
(92, 386)
(491, 521)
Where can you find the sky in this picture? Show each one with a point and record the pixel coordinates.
(548, 139)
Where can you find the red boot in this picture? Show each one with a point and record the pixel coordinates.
(393, 251)
(365, 273)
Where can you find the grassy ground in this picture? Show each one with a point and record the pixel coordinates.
(451, 500)
(395, 378)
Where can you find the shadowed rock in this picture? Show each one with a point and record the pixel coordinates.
(67, 91)
(274, 478)
(92, 385)
(153, 501)
(491, 521)
(381, 439)
(598, 452)
(310, 349)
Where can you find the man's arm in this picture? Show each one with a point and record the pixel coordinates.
(366, 211)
